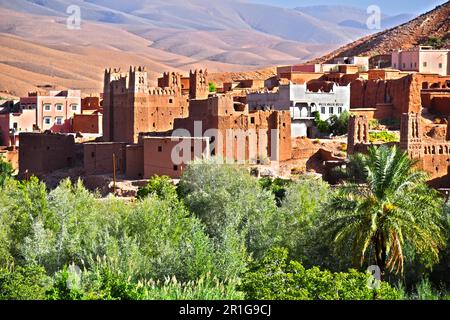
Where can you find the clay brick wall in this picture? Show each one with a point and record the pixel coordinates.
(437, 101)
(98, 157)
(157, 155)
(87, 123)
(41, 153)
(90, 104)
(135, 161)
(358, 133)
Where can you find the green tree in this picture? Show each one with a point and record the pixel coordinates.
(339, 124)
(228, 199)
(393, 207)
(299, 217)
(212, 87)
(277, 278)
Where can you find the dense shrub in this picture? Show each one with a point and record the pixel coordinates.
(24, 283)
(276, 278)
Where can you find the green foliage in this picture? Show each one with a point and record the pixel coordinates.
(172, 242)
(277, 186)
(24, 283)
(383, 136)
(354, 171)
(161, 186)
(436, 42)
(373, 124)
(276, 278)
(212, 87)
(339, 124)
(322, 126)
(104, 282)
(297, 225)
(238, 213)
(6, 171)
(392, 209)
(390, 122)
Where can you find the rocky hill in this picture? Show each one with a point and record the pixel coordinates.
(434, 24)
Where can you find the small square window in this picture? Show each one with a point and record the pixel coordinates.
(59, 107)
(47, 120)
(322, 110)
(252, 120)
(175, 168)
(59, 121)
(74, 107)
(440, 65)
(425, 64)
(47, 107)
(159, 148)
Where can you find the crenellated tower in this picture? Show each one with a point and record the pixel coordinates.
(198, 85)
(111, 75)
(411, 135)
(138, 80)
(358, 132)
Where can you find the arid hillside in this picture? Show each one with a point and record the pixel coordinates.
(434, 24)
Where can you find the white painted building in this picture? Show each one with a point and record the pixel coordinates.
(302, 103)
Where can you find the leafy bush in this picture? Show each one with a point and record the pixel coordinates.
(6, 171)
(277, 186)
(212, 87)
(161, 186)
(106, 283)
(383, 136)
(276, 278)
(339, 124)
(24, 283)
(235, 209)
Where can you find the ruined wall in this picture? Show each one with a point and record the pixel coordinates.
(403, 94)
(41, 153)
(358, 134)
(219, 117)
(437, 101)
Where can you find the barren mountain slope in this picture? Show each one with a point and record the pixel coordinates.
(435, 23)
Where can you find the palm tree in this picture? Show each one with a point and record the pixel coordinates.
(391, 207)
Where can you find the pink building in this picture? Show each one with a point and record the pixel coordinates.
(54, 110)
(11, 124)
(423, 59)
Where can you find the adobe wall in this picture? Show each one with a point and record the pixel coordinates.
(135, 162)
(358, 134)
(41, 153)
(404, 94)
(158, 159)
(222, 114)
(87, 123)
(90, 104)
(98, 157)
(437, 101)
(382, 111)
